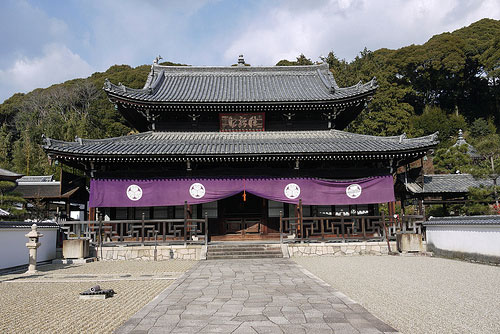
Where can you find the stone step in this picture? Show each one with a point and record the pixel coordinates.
(244, 252)
(240, 256)
(244, 246)
(255, 249)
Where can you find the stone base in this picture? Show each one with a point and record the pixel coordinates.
(203, 253)
(75, 248)
(171, 252)
(409, 242)
(74, 261)
(340, 249)
(94, 297)
(414, 254)
(471, 257)
(284, 251)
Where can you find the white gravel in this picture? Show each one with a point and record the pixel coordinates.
(417, 294)
(48, 302)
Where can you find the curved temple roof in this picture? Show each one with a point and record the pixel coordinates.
(233, 144)
(243, 84)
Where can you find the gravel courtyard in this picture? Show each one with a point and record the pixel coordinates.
(49, 302)
(417, 294)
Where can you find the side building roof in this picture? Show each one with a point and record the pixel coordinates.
(464, 220)
(446, 183)
(7, 175)
(240, 84)
(327, 144)
(27, 225)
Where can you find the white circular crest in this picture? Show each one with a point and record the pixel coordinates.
(292, 191)
(197, 190)
(353, 191)
(134, 192)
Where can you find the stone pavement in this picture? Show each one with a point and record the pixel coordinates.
(252, 296)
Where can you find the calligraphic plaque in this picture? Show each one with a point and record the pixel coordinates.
(242, 122)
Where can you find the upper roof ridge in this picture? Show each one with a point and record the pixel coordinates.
(289, 84)
(299, 68)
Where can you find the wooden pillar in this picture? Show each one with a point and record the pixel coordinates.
(47, 208)
(392, 210)
(68, 209)
(265, 215)
(92, 214)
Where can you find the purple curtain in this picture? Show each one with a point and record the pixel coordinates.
(166, 192)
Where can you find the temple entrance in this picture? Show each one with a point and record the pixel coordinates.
(242, 217)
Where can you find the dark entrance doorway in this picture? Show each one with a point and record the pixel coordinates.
(241, 217)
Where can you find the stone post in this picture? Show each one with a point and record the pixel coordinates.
(32, 245)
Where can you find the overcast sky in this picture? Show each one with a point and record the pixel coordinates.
(47, 42)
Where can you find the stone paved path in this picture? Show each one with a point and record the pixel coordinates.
(252, 296)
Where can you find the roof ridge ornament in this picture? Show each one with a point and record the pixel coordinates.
(122, 87)
(402, 137)
(46, 140)
(241, 60)
(373, 82)
(107, 84)
(156, 61)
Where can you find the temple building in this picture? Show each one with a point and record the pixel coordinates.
(241, 145)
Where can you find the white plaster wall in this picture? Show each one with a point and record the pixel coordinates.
(484, 240)
(13, 250)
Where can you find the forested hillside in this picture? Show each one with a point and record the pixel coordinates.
(448, 83)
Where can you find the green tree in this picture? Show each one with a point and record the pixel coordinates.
(482, 128)
(452, 160)
(489, 148)
(5, 147)
(9, 200)
(435, 119)
(479, 198)
(301, 61)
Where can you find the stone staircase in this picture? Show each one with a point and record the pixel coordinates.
(243, 251)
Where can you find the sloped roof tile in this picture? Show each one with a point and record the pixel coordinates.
(244, 143)
(188, 84)
(465, 220)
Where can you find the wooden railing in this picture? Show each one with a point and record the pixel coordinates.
(184, 230)
(347, 228)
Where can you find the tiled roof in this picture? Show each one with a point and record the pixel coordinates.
(464, 220)
(36, 178)
(25, 225)
(444, 183)
(8, 175)
(39, 189)
(187, 84)
(240, 143)
(452, 183)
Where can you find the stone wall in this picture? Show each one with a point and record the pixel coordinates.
(178, 252)
(340, 249)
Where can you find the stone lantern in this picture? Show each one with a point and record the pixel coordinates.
(32, 245)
